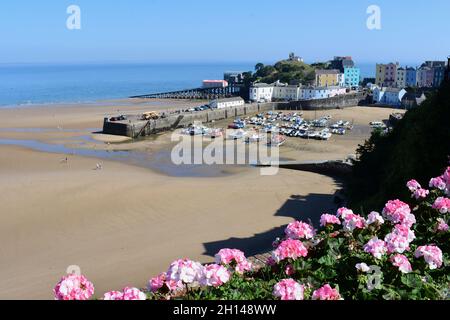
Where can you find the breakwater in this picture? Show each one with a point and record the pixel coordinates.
(134, 127)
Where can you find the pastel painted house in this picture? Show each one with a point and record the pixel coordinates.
(329, 78)
(410, 77)
(386, 74)
(425, 77)
(400, 81)
(388, 96)
(352, 77)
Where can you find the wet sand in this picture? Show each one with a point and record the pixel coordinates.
(126, 223)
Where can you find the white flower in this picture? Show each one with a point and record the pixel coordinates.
(362, 267)
(375, 218)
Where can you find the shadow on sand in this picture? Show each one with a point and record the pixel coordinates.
(304, 208)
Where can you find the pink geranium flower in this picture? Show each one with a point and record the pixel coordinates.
(185, 270)
(420, 194)
(233, 256)
(328, 219)
(442, 226)
(376, 247)
(289, 249)
(402, 263)
(413, 185)
(343, 212)
(326, 293)
(214, 275)
(353, 221)
(438, 183)
(442, 204)
(375, 218)
(431, 254)
(288, 289)
(128, 293)
(73, 287)
(113, 295)
(397, 211)
(299, 230)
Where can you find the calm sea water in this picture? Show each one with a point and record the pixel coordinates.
(39, 84)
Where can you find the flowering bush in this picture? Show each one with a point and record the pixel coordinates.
(402, 253)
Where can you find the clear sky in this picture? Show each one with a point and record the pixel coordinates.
(221, 31)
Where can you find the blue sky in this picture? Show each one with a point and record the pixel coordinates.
(229, 30)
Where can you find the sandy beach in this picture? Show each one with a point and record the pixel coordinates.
(126, 223)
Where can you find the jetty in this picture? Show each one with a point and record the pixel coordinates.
(208, 93)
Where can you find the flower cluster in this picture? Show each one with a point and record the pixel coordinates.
(288, 289)
(128, 294)
(352, 222)
(442, 183)
(402, 263)
(431, 254)
(326, 293)
(375, 218)
(442, 226)
(162, 282)
(343, 212)
(234, 257)
(214, 275)
(73, 287)
(442, 204)
(399, 239)
(299, 230)
(399, 212)
(328, 219)
(289, 249)
(186, 271)
(376, 247)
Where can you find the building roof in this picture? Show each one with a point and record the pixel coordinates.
(326, 71)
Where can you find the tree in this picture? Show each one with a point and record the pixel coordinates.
(259, 66)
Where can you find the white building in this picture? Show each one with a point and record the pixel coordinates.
(310, 93)
(261, 92)
(388, 96)
(283, 91)
(227, 103)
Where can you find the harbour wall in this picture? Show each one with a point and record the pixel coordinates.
(342, 101)
(138, 128)
(135, 128)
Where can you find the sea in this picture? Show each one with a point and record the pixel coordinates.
(59, 84)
